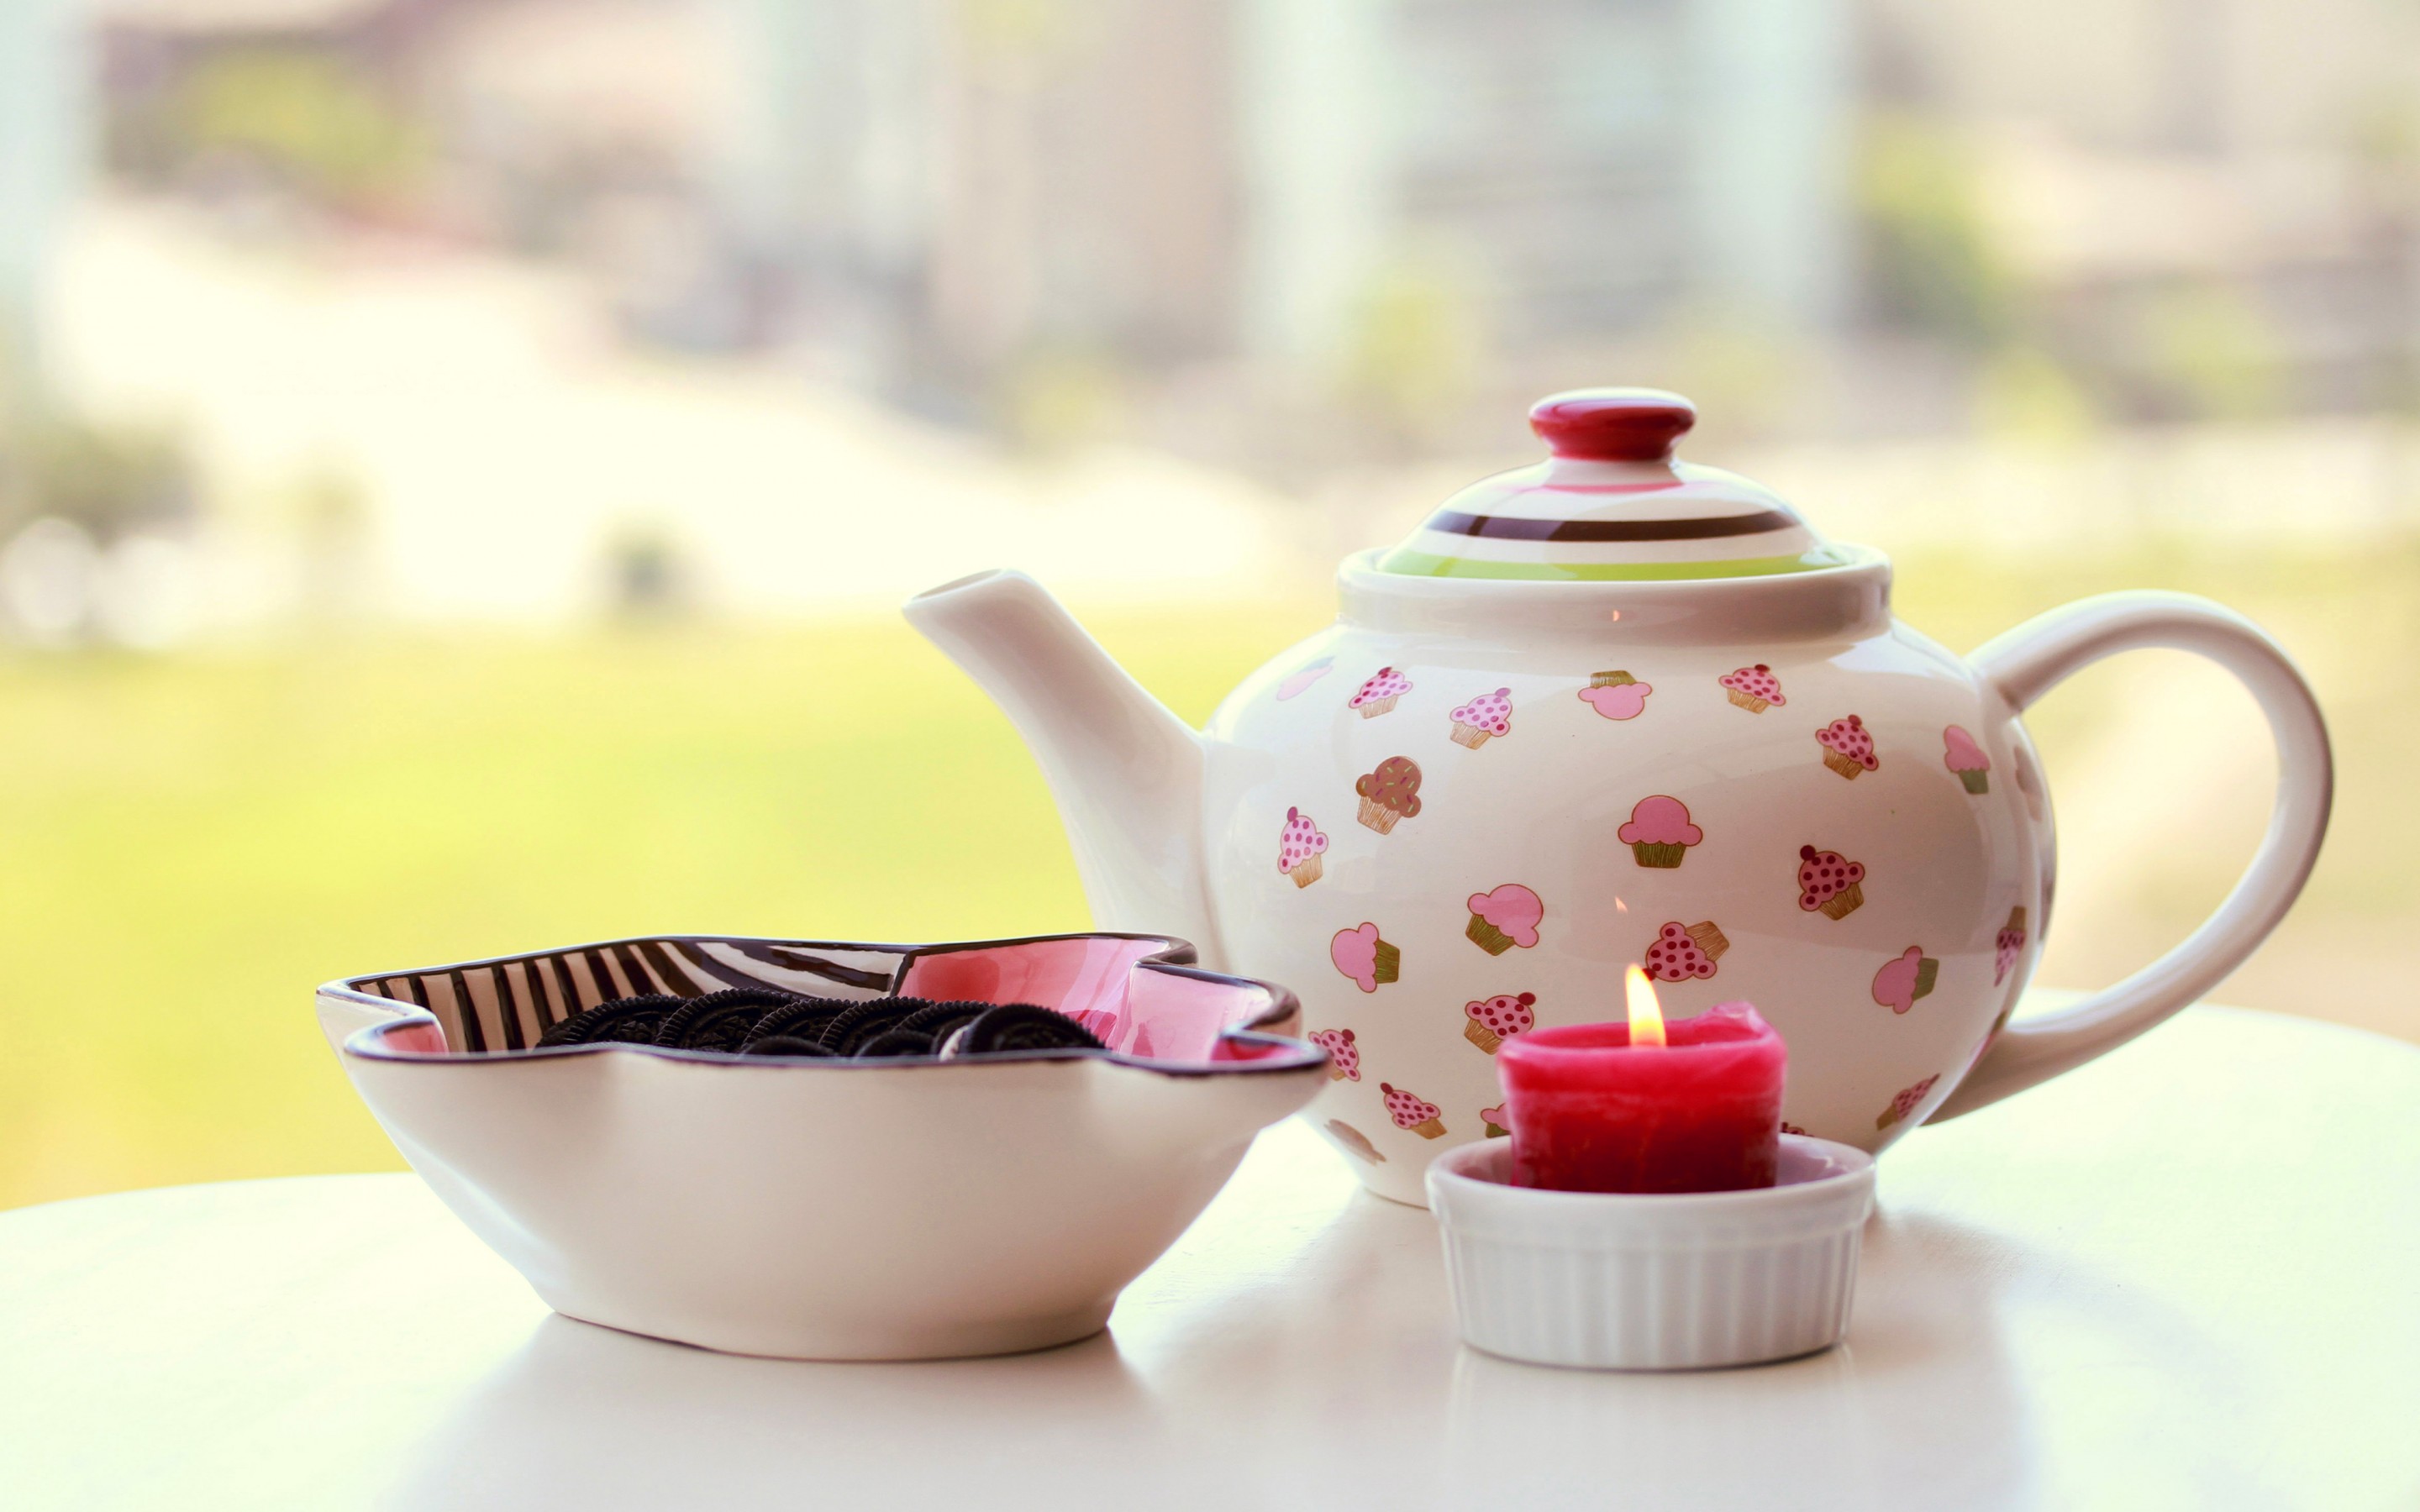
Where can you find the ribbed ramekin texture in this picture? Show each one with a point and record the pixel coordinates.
(1654, 1282)
(1653, 1310)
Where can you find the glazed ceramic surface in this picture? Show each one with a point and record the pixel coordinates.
(823, 1209)
(1617, 709)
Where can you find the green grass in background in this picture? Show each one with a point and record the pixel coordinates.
(189, 845)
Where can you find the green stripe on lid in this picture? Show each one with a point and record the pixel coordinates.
(1407, 562)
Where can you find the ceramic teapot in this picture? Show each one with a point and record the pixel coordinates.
(1616, 708)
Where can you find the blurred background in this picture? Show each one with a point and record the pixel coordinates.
(459, 459)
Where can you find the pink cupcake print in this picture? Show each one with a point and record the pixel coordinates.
(1959, 753)
(1504, 917)
(1615, 695)
(1409, 1112)
(1494, 1119)
(1685, 951)
(1353, 1142)
(1303, 676)
(1376, 696)
(1390, 795)
(1830, 882)
(1344, 1055)
(2008, 945)
(1300, 845)
(1847, 748)
(1905, 1102)
(1362, 956)
(1491, 1021)
(1659, 833)
(1486, 716)
(1905, 977)
(1753, 689)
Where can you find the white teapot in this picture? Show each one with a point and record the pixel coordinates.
(1617, 708)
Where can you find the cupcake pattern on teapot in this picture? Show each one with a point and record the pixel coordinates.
(1848, 746)
(1830, 882)
(1300, 848)
(1905, 977)
(1684, 952)
(2007, 946)
(1959, 753)
(1753, 689)
(1376, 696)
(1390, 795)
(1491, 1021)
(1615, 695)
(1905, 1102)
(1483, 718)
(1503, 917)
(1344, 1055)
(1409, 1111)
(1659, 833)
(1360, 954)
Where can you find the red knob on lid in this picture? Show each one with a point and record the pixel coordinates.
(1613, 424)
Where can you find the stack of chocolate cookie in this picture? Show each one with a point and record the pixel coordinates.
(764, 1021)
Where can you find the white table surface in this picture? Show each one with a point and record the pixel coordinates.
(2185, 1277)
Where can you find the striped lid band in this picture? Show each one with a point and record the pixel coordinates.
(1408, 562)
(1507, 527)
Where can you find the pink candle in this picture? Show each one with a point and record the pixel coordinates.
(1595, 1109)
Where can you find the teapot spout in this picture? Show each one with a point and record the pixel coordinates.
(1126, 772)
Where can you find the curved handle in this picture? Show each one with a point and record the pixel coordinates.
(2027, 662)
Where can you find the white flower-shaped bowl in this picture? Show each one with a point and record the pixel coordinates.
(827, 1209)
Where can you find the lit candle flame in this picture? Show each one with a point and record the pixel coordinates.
(1645, 1018)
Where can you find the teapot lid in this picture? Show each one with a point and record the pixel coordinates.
(1612, 502)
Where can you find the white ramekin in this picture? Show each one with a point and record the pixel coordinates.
(1653, 1281)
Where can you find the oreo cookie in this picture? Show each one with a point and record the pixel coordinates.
(803, 1018)
(1012, 1027)
(786, 1044)
(894, 1043)
(864, 1021)
(720, 1021)
(618, 1021)
(940, 1020)
(766, 1021)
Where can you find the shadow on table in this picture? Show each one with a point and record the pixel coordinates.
(1248, 1388)
(585, 1416)
(1924, 1395)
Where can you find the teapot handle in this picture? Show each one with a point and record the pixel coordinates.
(2028, 661)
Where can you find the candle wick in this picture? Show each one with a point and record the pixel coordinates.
(1645, 1015)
